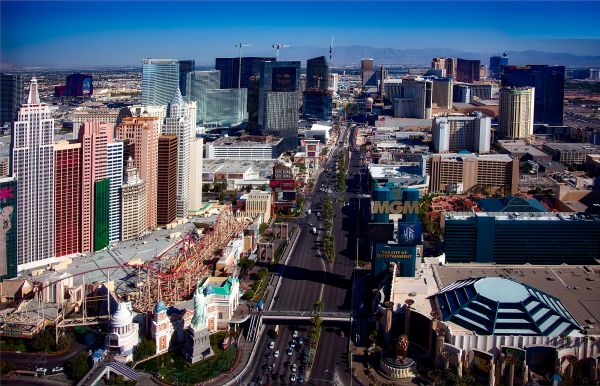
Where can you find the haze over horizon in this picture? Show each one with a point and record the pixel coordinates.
(69, 34)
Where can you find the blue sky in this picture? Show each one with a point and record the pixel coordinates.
(74, 33)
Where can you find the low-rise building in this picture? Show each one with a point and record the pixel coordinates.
(245, 148)
(523, 151)
(570, 153)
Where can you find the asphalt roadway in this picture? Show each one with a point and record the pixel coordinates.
(307, 277)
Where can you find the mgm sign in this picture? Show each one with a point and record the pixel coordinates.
(395, 207)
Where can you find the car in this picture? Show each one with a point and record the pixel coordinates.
(290, 351)
(271, 345)
(293, 377)
(282, 377)
(276, 298)
(300, 340)
(276, 354)
(265, 366)
(304, 359)
(269, 355)
(295, 334)
(58, 369)
(301, 379)
(292, 345)
(294, 368)
(260, 380)
(41, 370)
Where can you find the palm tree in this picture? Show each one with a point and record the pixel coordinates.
(318, 307)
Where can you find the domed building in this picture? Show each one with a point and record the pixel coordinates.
(124, 333)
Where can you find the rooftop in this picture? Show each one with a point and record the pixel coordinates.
(495, 305)
(247, 141)
(576, 287)
(511, 204)
(521, 216)
(560, 146)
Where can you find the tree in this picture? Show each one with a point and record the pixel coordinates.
(79, 365)
(144, 349)
(318, 306)
(7, 367)
(262, 273)
(262, 228)
(246, 266)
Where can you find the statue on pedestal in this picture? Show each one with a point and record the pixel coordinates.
(197, 337)
(199, 318)
(401, 349)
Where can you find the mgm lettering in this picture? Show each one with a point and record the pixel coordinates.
(395, 207)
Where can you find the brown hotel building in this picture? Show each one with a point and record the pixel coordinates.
(166, 209)
(458, 173)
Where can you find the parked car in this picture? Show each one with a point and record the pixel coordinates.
(58, 369)
(271, 345)
(290, 351)
(42, 370)
(295, 334)
(276, 355)
(293, 377)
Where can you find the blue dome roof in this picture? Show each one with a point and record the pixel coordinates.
(209, 290)
(160, 307)
(499, 306)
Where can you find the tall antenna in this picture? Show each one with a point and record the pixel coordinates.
(277, 47)
(240, 46)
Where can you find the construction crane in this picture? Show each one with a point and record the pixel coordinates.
(240, 46)
(277, 47)
(331, 50)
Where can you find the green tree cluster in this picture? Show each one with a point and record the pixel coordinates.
(79, 366)
(144, 349)
(330, 248)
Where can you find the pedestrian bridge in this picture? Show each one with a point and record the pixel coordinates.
(326, 316)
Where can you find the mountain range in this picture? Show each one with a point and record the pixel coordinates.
(352, 55)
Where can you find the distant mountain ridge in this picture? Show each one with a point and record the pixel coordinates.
(352, 55)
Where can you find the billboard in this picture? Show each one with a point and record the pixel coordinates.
(482, 366)
(541, 360)
(409, 233)
(284, 79)
(404, 256)
(518, 358)
(311, 154)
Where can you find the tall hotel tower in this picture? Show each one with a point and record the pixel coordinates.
(160, 79)
(180, 122)
(33, 166)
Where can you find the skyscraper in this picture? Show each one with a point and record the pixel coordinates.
(415, 101)
(459, 132)
(33, 167)
(67, 200)
(441, 92)
(134, 208)
(196, 149)
(446, 64)
(496, 64)
(278, 100)
(516, 111)
(229, 70)
(160, 78)
(367, 72)
(143, 132)
(549, 83)
(223, 107)
(11, 96)
(317, 99)
(94, 138)
(185, 67)
(467, 70)
(167, 199)
(180, 123)
(115, 173)
(317, 73)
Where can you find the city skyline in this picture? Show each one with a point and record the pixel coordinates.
(125, 32)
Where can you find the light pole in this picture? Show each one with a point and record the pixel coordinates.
(240, 46)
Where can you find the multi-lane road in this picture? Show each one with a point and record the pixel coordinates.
(307, 277)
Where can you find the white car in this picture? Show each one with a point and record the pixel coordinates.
(41, 370)
(290, 351)
(58, 369)
(276, 354)
(271, 345)
(295, 334)
(293, 377)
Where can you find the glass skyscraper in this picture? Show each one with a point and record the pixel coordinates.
(115, 173)
(317, 73)
(216, 106)
(160, 79)
(185, 67)
(278, 97)
(230, 70)
(549, 83)
(496, 63)
(11, 96)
